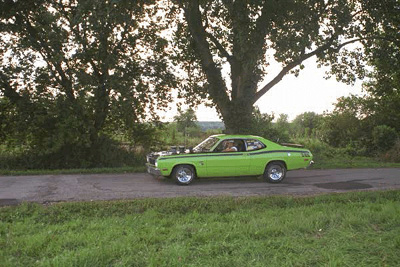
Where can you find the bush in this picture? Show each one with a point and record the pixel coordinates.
(107, 153)
(393, 154)
(319, 149)
(341, 129)
(384, 137)
(262, 126)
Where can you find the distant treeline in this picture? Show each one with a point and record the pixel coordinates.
(207, 125)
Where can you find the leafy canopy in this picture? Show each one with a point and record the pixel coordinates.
(77, 70)
(242, 38)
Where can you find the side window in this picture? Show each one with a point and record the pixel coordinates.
(220, 146)
(253, 144)
(230, 145)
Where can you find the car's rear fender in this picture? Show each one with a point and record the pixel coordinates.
(282, 161)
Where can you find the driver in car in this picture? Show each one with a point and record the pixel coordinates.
(229, 146)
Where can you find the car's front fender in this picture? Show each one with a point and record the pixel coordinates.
(167, 165)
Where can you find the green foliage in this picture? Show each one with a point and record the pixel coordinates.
(262, 126)
(382, 103)
(169, 136)
(319, 149)
(214, 131)
(341, 129)
(237, 35)
(372, 122)
(384, 137)
(393, 154)
(186, 121)
(256, 231)
(79, 78)
(283, 127)
(108, 153)
(128, 169)
(74, 74)
(307, 124)
(356, 120)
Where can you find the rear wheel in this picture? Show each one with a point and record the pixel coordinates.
(183, 174)
(275, 172)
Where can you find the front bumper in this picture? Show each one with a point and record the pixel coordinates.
(153, 170)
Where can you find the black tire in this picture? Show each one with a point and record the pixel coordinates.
(275, 172)
(183, 174)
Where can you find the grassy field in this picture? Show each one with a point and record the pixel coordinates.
(354, 229)
(346, 162)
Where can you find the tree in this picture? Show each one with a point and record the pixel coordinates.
(185, 119)
(263, 126)
(382, 102)
(283, 127)
(378, 111)
(340, 129)
(242, 35)
(76, 71)
(306, 124)
(384, 137)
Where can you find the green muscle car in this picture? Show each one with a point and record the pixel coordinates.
(229, 155)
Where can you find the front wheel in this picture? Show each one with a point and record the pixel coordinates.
(275, 172)
(183, 174)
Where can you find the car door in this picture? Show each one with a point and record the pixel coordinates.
(257, 161)
(233, 163)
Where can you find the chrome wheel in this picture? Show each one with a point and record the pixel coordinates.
(275, 172)
(184, 174)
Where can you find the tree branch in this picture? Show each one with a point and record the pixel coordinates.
(219, 46)
(217, 88)
(297, 62)
(7, 90)
(260, 31)
(364, 38)
(33, 35)
(289, 67)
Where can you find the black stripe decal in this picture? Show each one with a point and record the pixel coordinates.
(241, 154)
(278, 151)
(197, 156)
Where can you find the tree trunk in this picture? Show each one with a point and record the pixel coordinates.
(101, 112)
(239, 118)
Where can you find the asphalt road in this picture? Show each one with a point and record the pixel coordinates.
(84, 187)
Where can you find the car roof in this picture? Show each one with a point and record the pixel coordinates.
(235, 136)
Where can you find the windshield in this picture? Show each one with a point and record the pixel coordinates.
(206, 145)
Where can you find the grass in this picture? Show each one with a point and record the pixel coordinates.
(353, 162)
(353, 229)
(345, 162)
(131, 169)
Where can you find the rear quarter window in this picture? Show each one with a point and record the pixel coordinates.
(253, 144)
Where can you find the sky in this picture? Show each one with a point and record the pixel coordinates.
(293, 95)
